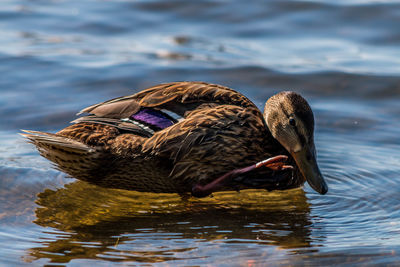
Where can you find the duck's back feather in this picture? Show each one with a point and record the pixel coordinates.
(178, 97)
(144, 113)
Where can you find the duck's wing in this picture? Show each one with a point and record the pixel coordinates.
(177, 97)
(124, 125)
(159, 107)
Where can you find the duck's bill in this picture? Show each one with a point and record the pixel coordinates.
(307, 163)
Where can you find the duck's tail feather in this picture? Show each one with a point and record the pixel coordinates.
(45, 141)
(73, 157)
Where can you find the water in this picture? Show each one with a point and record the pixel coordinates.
(343, 56)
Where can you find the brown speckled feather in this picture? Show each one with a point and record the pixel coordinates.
(220, 130)
(178, 97)
(202, 149)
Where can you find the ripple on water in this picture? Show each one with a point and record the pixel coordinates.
(362, 171)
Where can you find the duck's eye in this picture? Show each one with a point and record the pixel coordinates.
(292, 122)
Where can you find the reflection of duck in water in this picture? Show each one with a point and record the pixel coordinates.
(222, 141)
(96, 223)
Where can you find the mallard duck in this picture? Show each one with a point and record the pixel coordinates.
(188, 137)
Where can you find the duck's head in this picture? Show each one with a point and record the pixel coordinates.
(291, 122)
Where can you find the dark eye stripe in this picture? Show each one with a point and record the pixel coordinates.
(301, 137)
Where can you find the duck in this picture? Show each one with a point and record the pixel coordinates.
(188, 137)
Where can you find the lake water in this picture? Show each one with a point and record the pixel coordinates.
(59, 56)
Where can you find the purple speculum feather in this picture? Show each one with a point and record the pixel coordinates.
(153, 117)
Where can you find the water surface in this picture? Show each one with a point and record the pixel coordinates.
(343, 56)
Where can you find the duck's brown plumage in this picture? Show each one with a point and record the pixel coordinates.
(220, 130)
